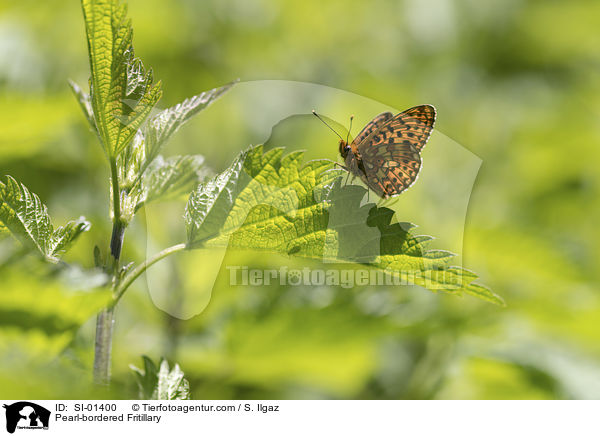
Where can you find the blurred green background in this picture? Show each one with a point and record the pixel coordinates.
(514, 81)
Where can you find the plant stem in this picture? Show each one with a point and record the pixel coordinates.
(139, 270)
(116, 244)
(102, 351)
(106, 318)
(114, 179)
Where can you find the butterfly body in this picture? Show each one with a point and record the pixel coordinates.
(386, 154)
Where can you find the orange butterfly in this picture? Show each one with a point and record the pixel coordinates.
(386, 154)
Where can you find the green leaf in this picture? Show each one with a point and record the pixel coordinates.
(41, 313)
(147, 378)
(169, 178)
(63, 237)
(144, 149)
(171, 383)
(209, 205)
(26, 217)
(85, 103)
(130, 167)
(143, 175)
(122, 91)
(161, 384)
(271, 202)
(164, 179)
(163, 125)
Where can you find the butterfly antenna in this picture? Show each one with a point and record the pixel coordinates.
(331, 128)
(350, 128)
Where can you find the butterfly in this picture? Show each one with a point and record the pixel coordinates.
(386, 154)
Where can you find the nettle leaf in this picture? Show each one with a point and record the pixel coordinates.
(272, 202)
(122, 91)
(147, 378)
(63, 237)
(130, 169)
(161, 383)
(85, 102)
(164, 179)
(172, 177)
(163, 125)
(144, 176)
(209, 205)
(155, 133)
(26, 217)
(119, 107)
(41, 313)
(171, 383)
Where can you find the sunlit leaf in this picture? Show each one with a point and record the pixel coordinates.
(140, 153)
(143, 175)
(169, 178)
(146, 378)
(271, 202)
(26, 217)
(163, 125)
(122, 91)
(162, 383)
(40, 314)
(209, 205)
(171, 383)
(85, 103)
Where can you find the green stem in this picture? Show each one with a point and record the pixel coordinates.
(105, 319)
(102, 349)
(114, 179)
(139, 270)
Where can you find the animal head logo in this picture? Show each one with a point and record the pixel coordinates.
(26, 415)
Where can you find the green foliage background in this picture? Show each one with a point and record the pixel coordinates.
(516, 82)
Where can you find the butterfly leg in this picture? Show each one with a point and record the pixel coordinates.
(336, 163)
(347, 177)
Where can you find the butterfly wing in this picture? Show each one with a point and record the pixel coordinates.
(415, 124)
(373, 125)
(390, 154)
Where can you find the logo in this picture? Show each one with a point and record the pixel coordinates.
(26, 415)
